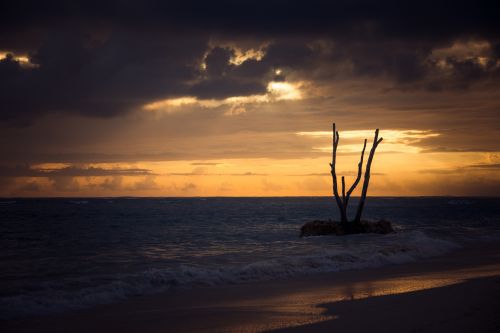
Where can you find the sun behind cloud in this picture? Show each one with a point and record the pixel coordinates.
(276, 91)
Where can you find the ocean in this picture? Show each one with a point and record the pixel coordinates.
(59, 255)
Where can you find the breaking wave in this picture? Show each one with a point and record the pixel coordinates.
(53, 298)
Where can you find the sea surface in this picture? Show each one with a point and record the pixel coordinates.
(59, 255)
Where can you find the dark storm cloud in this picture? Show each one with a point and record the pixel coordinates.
(107, 58)
(221, 79)
(428, 19)
(295, 54)
(123, 72)
(398, 60)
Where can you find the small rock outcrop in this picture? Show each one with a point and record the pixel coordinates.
(318, 228)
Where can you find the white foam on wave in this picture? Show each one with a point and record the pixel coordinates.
(395, 248)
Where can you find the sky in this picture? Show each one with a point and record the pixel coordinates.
(237, 98)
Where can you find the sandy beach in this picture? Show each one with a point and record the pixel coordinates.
(456, 293)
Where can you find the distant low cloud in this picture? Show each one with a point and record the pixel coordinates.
(114, 183)
(31, 186)
(65, 184)
(206, 163)
(327, 174)
(187, 187)
(243, 174)
(148, 183)
(495, 166)
(270, 186)
(70, 171)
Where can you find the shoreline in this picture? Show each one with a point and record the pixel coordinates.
(325, 301)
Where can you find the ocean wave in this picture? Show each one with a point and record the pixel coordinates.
(395, 248)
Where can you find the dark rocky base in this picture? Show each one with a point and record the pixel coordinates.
(318, 228)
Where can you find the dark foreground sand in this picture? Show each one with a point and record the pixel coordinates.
(456, 293)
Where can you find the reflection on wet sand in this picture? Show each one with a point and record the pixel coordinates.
(459, 293)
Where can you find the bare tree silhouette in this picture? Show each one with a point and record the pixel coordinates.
(343, 202)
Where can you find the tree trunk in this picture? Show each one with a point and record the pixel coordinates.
(343, 215)
(344, 202)
(366, 182)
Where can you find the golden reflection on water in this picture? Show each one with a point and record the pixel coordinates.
(292, 309)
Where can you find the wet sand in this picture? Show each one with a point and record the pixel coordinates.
(459, 292)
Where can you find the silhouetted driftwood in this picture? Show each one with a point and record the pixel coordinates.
(344, 226)
(343, 202)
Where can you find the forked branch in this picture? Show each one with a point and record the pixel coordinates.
(358, 178)
(343, 202)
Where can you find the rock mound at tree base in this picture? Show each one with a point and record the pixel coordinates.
(318, 228)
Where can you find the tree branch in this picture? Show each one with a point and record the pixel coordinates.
(366, 182)
(358, 178)
(343, 190)
(336, 139)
